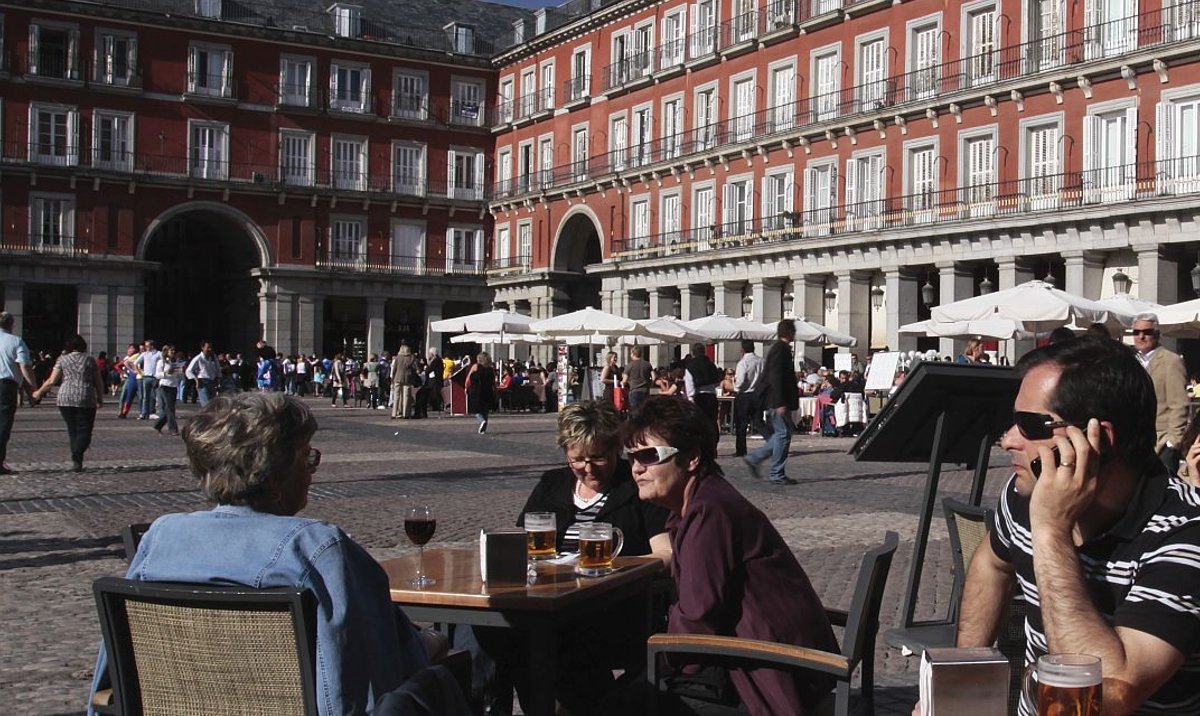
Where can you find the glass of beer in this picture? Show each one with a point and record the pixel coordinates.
(420, 524)
(597, 548)
(1063, 684)
(541, 534)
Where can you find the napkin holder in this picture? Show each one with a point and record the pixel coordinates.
(964, 681)
(503, 557)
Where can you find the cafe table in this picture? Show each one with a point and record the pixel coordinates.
(552, 600)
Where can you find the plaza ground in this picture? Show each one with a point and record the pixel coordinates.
(60, 530)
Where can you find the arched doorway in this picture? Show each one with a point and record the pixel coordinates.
(202, 288)
(577, 246)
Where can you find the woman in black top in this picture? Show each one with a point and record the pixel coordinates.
(481, 388)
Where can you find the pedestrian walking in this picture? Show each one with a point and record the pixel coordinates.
(80, 394)
(147, 363)
(780, 396)
(402, 368)
(204, 372)
(481, 389)
(170, 371)
(338, 381)
(746, 409)
(15, 370)
(133, 378)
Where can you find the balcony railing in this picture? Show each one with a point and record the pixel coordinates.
(532, 103)
(33, 244)
(628, 69)
(356, 100)
(1142, 181)
(577, 88)
(781, 15)
(739, 29)
(1178, 23)
(130, 76)
(333, 260)
(508, 265)
(53, 66)
(211, 85)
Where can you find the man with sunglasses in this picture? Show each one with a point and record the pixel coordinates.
(1169, 375)
(1103, 543)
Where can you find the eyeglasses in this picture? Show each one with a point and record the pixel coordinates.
(1037, 426)
(1145, 331)
(583, 462)
(653, 455)
(313, 458)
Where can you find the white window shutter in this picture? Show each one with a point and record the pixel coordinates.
(479, 175)
(450, 165)
(833, 183)
(131, 56)
(365, 94)
(227, 73)
(851, 178)
(333, 84)
(72, 136)
(1164, 145)
(35, 33)
(72, 52)
(1090, 133)
(1131, 124)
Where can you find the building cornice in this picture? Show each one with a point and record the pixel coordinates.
(592, 21)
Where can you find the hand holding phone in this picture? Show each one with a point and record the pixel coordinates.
(1035, 465)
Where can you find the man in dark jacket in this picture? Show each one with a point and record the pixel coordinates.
(781, 399)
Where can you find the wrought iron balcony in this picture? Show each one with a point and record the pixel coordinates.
(355, 259)
(33, 244)
(577, 88)
(628, 69)
(506, 265)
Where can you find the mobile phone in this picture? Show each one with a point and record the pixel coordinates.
(1035, 465)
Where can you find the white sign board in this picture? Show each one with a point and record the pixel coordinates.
(883, 371)
(843, 362)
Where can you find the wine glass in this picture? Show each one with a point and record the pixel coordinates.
(419, 525)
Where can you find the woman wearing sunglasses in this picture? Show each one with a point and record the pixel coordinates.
(734, 574)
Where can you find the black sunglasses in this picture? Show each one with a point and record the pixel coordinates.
(1037, 426)
(1145, 331)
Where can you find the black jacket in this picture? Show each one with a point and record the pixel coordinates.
(779, 377)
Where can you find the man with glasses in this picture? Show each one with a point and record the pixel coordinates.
(1167, 371)
(1102, 542)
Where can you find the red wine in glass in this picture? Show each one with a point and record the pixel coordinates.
(420, 524)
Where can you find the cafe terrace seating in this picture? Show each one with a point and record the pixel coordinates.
(860, 623)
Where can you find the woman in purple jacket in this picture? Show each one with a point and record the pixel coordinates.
(734, 574)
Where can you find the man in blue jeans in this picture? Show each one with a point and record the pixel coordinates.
(780, 397)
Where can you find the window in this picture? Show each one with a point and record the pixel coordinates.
(346, 243)
(504, 101)
(528, 103)
(783, 95)
(643, 132)
(1110, 27)
(208, 8)
(210, 71)
(872, 74)
(463, 39)
(1177, 148)
(704, 24)
(349, 162)
(864, 191)
(504, 171)
(52, 222)
(980, 46)
(745, 20)
(525, 242)
(704, 216)
(411, 96)
(466, 175)
(670, 224)
(705, 117)
(54, 51)
(408, 245)
(618, 71)
(546, 161)
(826, 87)
(1183, 23)
(922, 180)
(579, 153)
(673, 30)
(465, 96)
(639, 224)
(820, 196)
(743, 109)
(503, 247)
(781, 14)
(209, 152)
(1042, 177)
(642, 61)
(524, 166)
(672, 127)
(347, 20)
(116, 58)
(349, 87)
(739, 207)
(464, 250)
(547, 100)
(923, 60)
(777, 200)
(112, 145)
(295, 81)
(979, 174)
(581, 75)
(618, 142)
(1109, 153)
(820, 7)
(54, 135)
(408, 168)
(1046, 25)
(297, 158)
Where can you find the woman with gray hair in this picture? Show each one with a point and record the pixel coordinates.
(253, 457)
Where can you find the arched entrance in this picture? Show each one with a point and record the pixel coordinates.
(202, 288)
(577, 246)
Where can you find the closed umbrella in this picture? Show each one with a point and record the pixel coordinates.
(719, 327)
(1037, 305)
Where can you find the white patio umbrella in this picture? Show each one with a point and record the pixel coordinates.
(600, 324)
(825, 334)
(1001, 328)
(719, 327)
(1037, 305)
(1180, 319)
(501, 338)
(499, 321)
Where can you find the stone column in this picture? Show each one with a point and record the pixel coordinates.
(433, 312)
(727, 299)
(692, 300)
(902, 296)
(1157, 276)
(127, 300)
(309, 319)
(661, 302)
(854, 308)
(14, 303)
(1012, 273)
(93, 318)
(284, 338)
(768, 299)
(375, 324)
(808, 303)
(1085, 273)
(956, 281)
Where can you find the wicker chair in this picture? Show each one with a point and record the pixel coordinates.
(861, 623)
(181, 648)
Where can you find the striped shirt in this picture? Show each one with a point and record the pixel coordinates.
(1143, 574)
(586, 510)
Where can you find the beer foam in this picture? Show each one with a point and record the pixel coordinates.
(1067, 679)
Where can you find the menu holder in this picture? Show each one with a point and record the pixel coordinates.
(964, 681)
(503, 556)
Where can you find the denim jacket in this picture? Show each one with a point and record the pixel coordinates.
(365, 646)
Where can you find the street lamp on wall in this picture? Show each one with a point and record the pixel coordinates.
(1195, 273)
(877, 295)
(676, 308)
(830, 300)
(789, 301)
(1122, 284)
(711, 304)
(1050, 278)
(927, 295)
(748, 306)
(985, 286)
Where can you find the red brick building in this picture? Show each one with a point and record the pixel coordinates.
(188, 169)
(848, 161)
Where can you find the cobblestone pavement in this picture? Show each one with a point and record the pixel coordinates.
(59, 530)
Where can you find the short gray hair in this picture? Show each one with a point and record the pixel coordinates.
(591, 423)
(1147, 316)
(241, 448)
(6, 320)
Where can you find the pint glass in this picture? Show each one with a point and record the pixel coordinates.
(1063, 684)
(597, 548)
(541, 533)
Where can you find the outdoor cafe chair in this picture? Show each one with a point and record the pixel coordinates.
(860, 623)
(131, 537)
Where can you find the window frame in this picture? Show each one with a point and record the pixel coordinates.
(68, 217)
(125, 164)
(70, 150)
(310, 159)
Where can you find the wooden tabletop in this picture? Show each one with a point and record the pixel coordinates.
(460, 585)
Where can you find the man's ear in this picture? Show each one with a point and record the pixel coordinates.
(1108, 438)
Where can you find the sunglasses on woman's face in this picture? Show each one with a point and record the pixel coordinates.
(1037, 426)
(653, 455)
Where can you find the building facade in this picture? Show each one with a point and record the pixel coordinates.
(192, 169)
(847, 161)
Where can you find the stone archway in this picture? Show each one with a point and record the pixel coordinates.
(202, 287)
(577, 246)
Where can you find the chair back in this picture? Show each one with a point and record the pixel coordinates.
(968, 526)
(184, 648)
(131, 536)
(862, 619)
